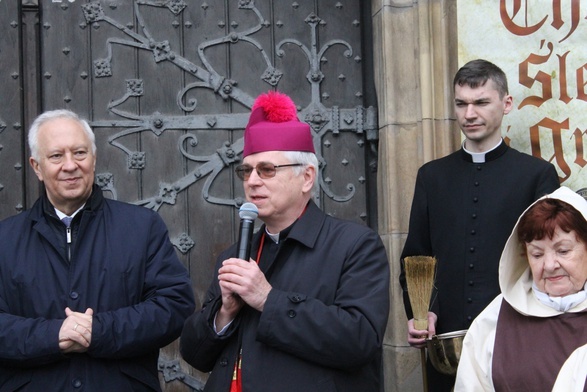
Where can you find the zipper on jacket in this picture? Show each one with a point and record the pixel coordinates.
(68, 233)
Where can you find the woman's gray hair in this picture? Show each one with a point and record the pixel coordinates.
(307, 158)
(33, 136)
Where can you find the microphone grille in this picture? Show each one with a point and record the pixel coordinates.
(248, 211)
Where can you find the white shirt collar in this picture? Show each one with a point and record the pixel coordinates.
(61, 215)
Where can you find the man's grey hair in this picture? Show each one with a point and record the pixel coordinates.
(307, 158)
(33, 136)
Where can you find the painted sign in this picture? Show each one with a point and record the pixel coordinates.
(540, 45)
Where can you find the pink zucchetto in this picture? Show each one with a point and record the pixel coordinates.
(274, 126)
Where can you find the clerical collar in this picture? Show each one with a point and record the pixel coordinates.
(479, 157)
(285, 232)
(562, 304)
(274, 237)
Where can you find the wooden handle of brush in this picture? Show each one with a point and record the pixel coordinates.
(423, 364)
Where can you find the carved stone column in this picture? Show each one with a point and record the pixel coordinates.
(415, 50)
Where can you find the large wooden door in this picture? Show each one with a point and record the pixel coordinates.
(167, 86)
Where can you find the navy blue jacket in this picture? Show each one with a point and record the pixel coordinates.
(323, 323)
(122, 265)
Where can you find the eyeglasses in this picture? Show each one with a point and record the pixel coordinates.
(265, 170)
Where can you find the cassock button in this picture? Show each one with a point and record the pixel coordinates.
(473, 232)
(471, 283)
(471, 266)
(73, 295)
(475, 199)
(296, 299)
(474, 216)
(472, 249)
(469, 300)
(223, 361)
(469, 318)
(76, 383)
(476, 183)
(292, 314)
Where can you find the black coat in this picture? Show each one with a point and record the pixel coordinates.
(323, 324)
(463, 213)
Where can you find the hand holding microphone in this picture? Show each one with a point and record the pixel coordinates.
(243, 281)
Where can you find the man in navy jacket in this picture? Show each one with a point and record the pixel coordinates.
(309, 310)
(86, 304)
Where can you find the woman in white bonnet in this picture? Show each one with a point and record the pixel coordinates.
(533, 336)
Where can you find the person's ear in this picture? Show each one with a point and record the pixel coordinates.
(35, 166)
(508, 104)
(309, 178)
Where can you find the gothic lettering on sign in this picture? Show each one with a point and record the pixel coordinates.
(558, 17)
(553, 77)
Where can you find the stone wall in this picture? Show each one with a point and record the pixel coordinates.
(415, 58)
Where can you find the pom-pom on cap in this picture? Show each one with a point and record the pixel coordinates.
(274, 126)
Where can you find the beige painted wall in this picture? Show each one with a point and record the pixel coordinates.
(415, 50)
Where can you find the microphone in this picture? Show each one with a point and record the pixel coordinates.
(248, 213)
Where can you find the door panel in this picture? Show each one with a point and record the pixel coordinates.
(12, 159)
